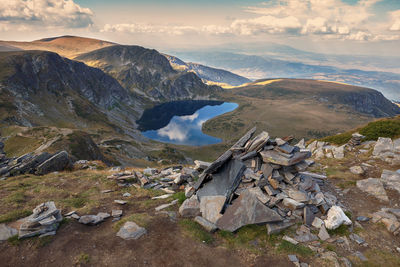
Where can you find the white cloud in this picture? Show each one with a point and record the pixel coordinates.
(395, 15)
(174, 131)
(149, 28)
(45, 12)
(190, 117)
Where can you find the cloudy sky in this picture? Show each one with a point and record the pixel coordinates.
(335, 26)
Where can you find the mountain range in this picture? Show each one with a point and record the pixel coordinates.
(93, 89)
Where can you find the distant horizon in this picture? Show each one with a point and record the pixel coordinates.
(353, 27)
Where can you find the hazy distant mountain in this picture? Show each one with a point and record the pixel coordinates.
(258, 67)
(208, 74)
(67, 46)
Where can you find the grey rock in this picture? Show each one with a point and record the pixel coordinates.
(126, 194)
(336, 218)
(297, 195)
(6, 232)
(356, 238)
(293, 258)
(190, 207)
(278, 158)
(391, 180)
(361, 256)
(58, 162)
(246, 209)
(277, 227)
(357, 170)
(383, 145)
(209, 226)
(116, 213)
(225, 180)
(150, 171)
(374, 187)
(317, 223)
(323, 233)
(164, 206)
(258, 142)
(131, 230)
(292, 204)
(90, 219)
(121, 202)
(362, 218)
(308, 216)
(201, 165)
(211, 207)
(103, 215)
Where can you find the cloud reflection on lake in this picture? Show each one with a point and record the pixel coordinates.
(186, 130)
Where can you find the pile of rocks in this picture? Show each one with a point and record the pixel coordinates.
(168, 179)
(389, 217)
(30, 163)
(43, 222)
(321, 149)
(262, 181)
(356, 139)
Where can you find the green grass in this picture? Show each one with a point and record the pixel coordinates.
(342, 230)
(14, 215)
(14, 240)
(76, 202)
(180, 196)
(339, 139)
(141, 219)
(298, 249)
(195, 231)
(83, 258)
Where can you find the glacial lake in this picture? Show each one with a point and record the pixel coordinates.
(180, 122)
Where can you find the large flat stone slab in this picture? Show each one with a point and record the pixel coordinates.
(278, 158)
(391, 180)
(225, 181)
(211, 207)
(246, 209)
(374, 187)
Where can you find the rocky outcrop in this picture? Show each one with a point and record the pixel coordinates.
(148, 73)
(38, 164)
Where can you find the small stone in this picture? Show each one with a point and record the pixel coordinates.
(162, 196)
(164, 206)
(121, 202)
(357, 170)
(90, 219)
(293, 258)
(317, 223)
(361, 256)
(131, 230)
(323, 234)
(362, 219)
(126, 194)
(292, 204)
(106, 191)
(356, 238)
(116, 213)
(308, 216)
(103, 215)
(290, 240)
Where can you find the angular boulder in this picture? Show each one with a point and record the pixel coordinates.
(336, 218)
(382, 146)
(58, 162)
(246, 209)
(190, 207)
(211, 207)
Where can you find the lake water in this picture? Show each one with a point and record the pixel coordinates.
(180, 122)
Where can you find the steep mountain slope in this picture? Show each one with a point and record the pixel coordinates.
(259, 67)
(42, 88)
(208, 74)
(148, 73)
(67, 46)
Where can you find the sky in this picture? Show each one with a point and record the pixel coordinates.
(328, 26)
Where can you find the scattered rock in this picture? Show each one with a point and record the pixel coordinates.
(293, 258)
(121, 202)
(290, 240)
(323, 233)
(391, 180)
(131, 230)
(58, 162)
(116, 213)
(336, 218)
(357, 170)
(362, 218)
(211, 207)
(356, 238)
(164, 206)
